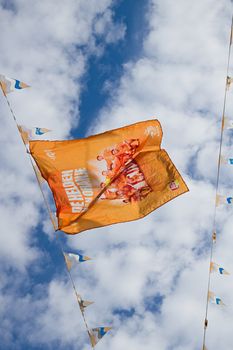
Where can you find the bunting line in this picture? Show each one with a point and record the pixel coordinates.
(73, 285)
(213, 239)
(31, 161)
(95, 334)
(52, 219)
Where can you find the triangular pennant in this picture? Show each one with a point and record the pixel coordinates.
(225, 160)
(229, 81)
(8, 84)
(214, 237)
(40, 131)
(223, 200)
(71, 258)
(83, 303)
(96, 334)
(30, 134)
(217, 268)
(214, 299)
(206, 323)
(227, 123)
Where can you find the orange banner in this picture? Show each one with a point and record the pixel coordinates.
(117, 176)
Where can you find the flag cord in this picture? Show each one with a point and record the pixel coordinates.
(33, 166)
(213, 238)
(47, 207)
(44, 197)
(73, 286)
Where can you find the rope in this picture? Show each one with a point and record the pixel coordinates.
(74, 287)
(213, 238)
(47, 207)
(44, 197)
(33, 166)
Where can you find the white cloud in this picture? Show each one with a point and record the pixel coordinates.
(42, 45)
(46, 45)
(178, 78)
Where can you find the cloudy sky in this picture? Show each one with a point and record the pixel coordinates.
(93, 66)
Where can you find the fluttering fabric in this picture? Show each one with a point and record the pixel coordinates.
(117, 176)
(229, 81)
(214, 299)
(225, 160)
(223, 200)
(227, 123)
(30, 134)
(9, 85)
(83, 304)
(217, 268)
(40, 131)
(71, 258)
(97, 333)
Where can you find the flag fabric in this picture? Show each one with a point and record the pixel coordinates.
(71, 258)
(229, 81)
(217, 268)
(214, 237)
(40, 131)
(214, 299)
(30, 134)
(8, 84)
(206, 323)
(96, 334)
(223, 200)
(117, 176)
(227, 123)
(83, 303)
(225, 160)
(25, 133)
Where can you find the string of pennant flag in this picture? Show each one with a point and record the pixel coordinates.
(95, 334)
(226, 124)
(9, 85)
(113, 180)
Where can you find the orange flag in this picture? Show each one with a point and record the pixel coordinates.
(117, 176)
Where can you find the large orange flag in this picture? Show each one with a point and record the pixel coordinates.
(120, 175)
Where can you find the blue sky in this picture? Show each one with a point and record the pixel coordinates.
(95, 66)
(108, 68)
